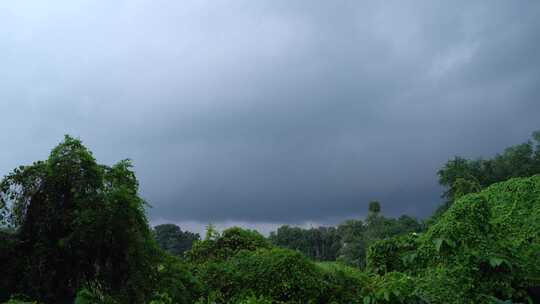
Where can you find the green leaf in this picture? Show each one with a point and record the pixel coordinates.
(409, 258)
(438, 244)
(495, 262)
(367, 300)
(386, 295)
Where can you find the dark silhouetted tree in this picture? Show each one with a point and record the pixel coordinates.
(173, 240)
(374, 207)
(77, 221)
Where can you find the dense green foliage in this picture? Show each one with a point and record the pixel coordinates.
(74, 231)
(10, 269)
(486, 245)
(321, 243)
(461, 176)
(222, 246)
(172, 239)
(239, 264)
(76, 222)
(349, 241)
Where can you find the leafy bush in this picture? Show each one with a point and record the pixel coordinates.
(221, 247)
(240, 266)
(162, 298)
(255, 300)
(175, 281)
(485, 246)
(221, 280)
(20, 299)
(343, 284)
(393, 287)
(93, 294)
(280, 274)
(393, 254)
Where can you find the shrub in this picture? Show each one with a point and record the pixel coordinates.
(343, 284)
(484, 247)
(280, 274)
(175, 281)
(255, 300)
(221, 247)
(392, 254)
(93, 293)
(393, 287)
(22, 300)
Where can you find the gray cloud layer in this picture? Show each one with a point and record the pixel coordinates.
(271, 111)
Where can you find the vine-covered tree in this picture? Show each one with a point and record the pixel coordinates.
(77, 222)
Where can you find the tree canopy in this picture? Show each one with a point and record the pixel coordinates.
(348, 242)
(461, 176)
(173, 240)
(77, 221)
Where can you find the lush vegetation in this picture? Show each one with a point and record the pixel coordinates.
(461, 176)
(75, 231)
(172, 239)
(485, 246)
(349, 241)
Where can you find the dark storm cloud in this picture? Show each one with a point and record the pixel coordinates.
(271, 111)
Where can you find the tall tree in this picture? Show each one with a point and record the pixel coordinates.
(374, 207)
(77, 222)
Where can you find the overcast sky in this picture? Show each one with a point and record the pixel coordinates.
(270, 112)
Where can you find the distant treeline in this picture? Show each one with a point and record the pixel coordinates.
(172, 239)
(348, 242)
